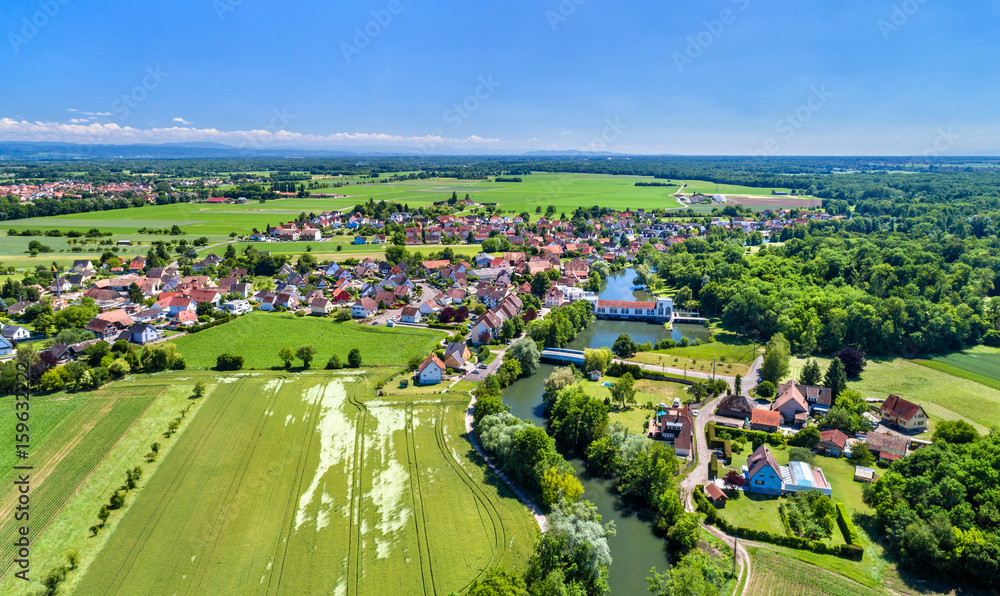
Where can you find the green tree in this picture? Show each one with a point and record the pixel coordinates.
(811, 374)
(354, 358)
(135, 293)
(596, 359)
(557, 486)
(287, 355)
(955, 432)
(540, 284)
(525, 351)
(623, 390)
(199, 389)
(334, 363)
(777, 355)
(836, 378)
(684, 534)
(624, 347)
(306, 354)
(738, 384)
(808, 437)
(861, 455)
(498, 582)
(765, 389)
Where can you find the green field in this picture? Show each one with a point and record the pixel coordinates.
(81, 446)
(713, 188)
(301, 484)
(731, 356)
(774, 573)
(980, 364)
(942, 395)
(259, 335)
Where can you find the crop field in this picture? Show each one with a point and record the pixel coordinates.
(774, 573)
(71, 450)
(980, 364)
(81, 445)
(259, 335)
(301, 484)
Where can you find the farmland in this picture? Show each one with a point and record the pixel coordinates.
(258, 336)
(82, 444)
(777, 574)
(302, 484)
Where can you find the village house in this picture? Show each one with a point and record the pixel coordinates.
(236, 307)
(816, 398)
(764, 475)
(410, 314)
(320, 307)
(832, 443)
(675, 426)
(765, 420)
(456, 355)
(364, 308)
(793, 407)
(15, 333)
(888, 446)
(431, 371)
(736, 406)
(903, 414)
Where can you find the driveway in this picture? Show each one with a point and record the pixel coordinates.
(478, 375)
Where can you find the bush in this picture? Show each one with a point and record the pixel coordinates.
(766, 389)
(334, 363)
(229, 362)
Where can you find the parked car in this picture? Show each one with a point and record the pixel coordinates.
(483, 366)
(695, 412)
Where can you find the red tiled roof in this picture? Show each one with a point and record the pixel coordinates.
(765, 417)
(835, 437)
(714, 492)
(898, 407)
(626, 304)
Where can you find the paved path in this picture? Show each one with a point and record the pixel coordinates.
(543, 523)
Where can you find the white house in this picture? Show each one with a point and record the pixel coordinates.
(321, 306)
(410, 314)
(140, 334)
(236, 307)
(364, 308)
(15, 333)
(430, 371)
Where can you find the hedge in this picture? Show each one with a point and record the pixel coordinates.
(713, 467)
(847, 526)
(847, 551)
(209, 325)
(652, 375)
(716, 443)
(773, 439)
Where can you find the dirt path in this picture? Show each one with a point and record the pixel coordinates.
(543, 524)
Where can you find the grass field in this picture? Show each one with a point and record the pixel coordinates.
(731, 356)
(81, 446)
(259, 335)
(942, 395)
(300, 484)
(775, 573)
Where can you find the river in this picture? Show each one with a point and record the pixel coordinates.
(635, 549)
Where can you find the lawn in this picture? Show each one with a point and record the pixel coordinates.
(731, 356)
(942, 395)
(81, 446)
(305, 484)
(259, 336)
(645, 391)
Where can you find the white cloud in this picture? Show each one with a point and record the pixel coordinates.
(110, 133)
(99, 113)
(181, 120)
(565, 133)
(72, 110)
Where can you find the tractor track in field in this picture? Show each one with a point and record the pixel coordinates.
(354, 542)
(234, 486)
(165, 499)
(421, 525)
(487, 504)
(293, 496)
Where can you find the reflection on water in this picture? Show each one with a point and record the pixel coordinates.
(635, 549)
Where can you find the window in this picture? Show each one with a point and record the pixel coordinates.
(758, 482)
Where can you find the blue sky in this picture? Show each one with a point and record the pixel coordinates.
(868, 77)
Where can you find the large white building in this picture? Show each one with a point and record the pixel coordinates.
(662, 309)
